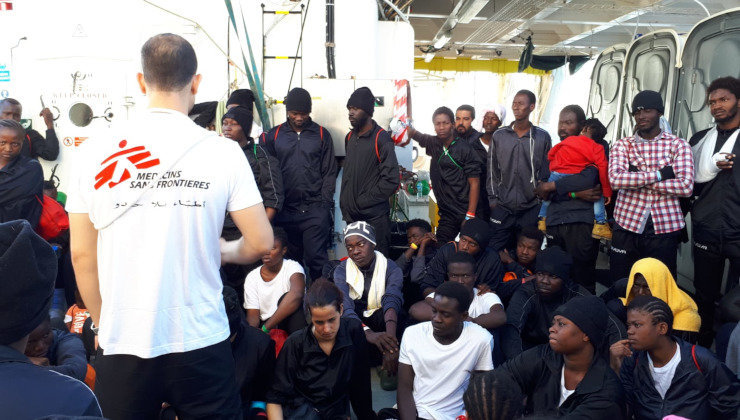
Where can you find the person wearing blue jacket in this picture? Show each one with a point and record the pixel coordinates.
(664, 375)
(57, 350)
(309, 168)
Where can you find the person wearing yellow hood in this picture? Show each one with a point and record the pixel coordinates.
(650, 277)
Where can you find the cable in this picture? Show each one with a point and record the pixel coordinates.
(298, 48)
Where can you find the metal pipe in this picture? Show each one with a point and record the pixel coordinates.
(398, 11)
(330, 63)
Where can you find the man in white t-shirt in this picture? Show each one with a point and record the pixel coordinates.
(437, 358)
(146, 208)
(486, 308)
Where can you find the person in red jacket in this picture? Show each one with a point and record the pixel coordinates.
(574, 154)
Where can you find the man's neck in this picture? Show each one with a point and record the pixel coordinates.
(664, 352)
(580, 361)
(366, 127)
(447, 141)
(731, 124)
(649, 135)
(486, 138)
(175, 101)
(244, 142)
(295, 128)
(452, 337)
(522, 125)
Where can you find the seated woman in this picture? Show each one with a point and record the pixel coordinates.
(664, 375)
(567, 377)
(273, 291)
(323, 367)
(650, 277)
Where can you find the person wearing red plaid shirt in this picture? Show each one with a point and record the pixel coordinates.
(651, 170)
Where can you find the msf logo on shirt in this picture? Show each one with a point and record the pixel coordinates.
(121, 164)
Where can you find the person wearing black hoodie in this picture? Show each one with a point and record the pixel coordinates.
(530, 311)
(371, 173)
(567, 378)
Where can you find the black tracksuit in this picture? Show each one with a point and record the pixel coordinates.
(309, 171)
(488, 268)
(21, 188)
(450, 170)
(370, 178)
(484, 208)
(36, 146)
(570, 223)
(538, 371)
(710, 393)
(715, 218)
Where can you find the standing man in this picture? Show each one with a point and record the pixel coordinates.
(517, 161)
(652, 169)
(161, 195)
(34, 145)
(464, 117)
(492, 120)
(570, 221)
(371, 174)
(455, 174)
(716, 211)
(306, 154)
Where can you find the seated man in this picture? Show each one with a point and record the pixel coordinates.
(438, 357)
(664, 375)
(27, 274)
(273, 292)
(529, 313)
(371, 288)
(421, 250)
(474, 237)
(485, 310)
(21, 177)
(650, 277)
(57, 350)
(520, 265)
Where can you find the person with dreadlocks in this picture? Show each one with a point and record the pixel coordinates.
(567, 377)
(664, 375)
(489, 397)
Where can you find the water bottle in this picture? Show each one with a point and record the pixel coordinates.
(419, 189)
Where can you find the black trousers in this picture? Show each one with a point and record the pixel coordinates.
(629, 247)
(382, 226)
(199, 384)
(576, 240)
(391, 414)
(709, 268)
(448, 227)
(294, 321)
(505, 225)
(309, 233)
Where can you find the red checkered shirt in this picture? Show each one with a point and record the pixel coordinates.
(640, 193)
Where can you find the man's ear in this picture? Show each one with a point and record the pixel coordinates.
(142, 83)
(195, 84)
(662, 328)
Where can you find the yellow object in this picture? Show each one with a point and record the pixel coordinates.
(663, 286)
(414, 246)
(541, 225)
(496, 65)
(433, 213)
(601, 231)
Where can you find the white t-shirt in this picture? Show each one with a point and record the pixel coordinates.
(158, 237)
(264, 295)
(441, 371)
(564, 392)
(485, 146)
(663, 376)
(480, 305)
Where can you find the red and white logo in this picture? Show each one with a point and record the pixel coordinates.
(6, 5)
(121, 164)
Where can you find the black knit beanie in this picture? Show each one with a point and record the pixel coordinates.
(364, 99)
(242, 97)
(555, 261)
(478, 230)
(28, 270)
(298, 100)
(242, 116)
(590, 314)
(647, 99)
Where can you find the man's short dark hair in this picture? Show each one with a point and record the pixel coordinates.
(529, 94)
(10, 101)
(531, 232)
(443, 110)
(419, 223)
(455, 290)
(730, 83)
(598, 131)
(468, 108)
(168, 62)
(461, 257)
(13, 125)
(578, 111)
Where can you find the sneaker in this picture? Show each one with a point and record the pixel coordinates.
(601, 231)
(541, 224)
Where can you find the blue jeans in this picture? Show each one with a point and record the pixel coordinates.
(599, 209)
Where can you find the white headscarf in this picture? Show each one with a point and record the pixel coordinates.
(497, 109)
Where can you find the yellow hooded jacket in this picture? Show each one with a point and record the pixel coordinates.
(663, 286)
